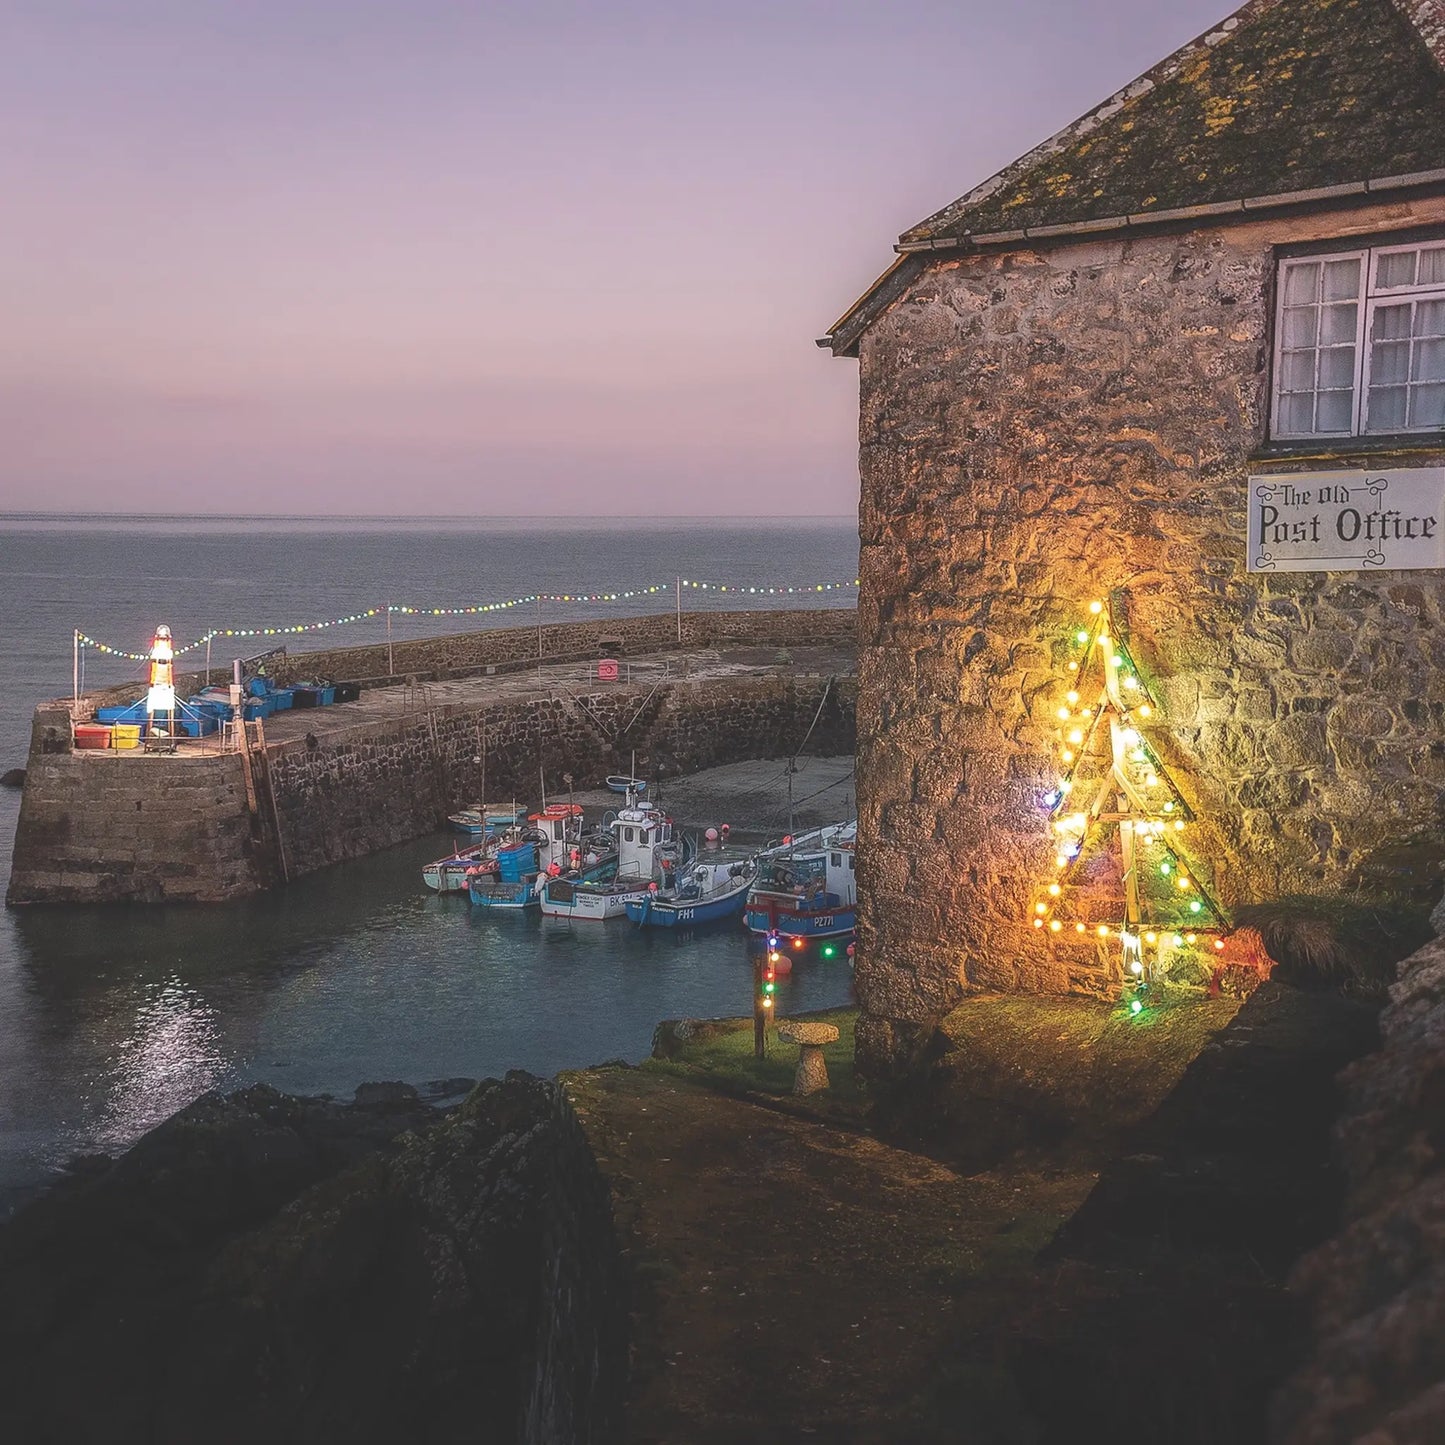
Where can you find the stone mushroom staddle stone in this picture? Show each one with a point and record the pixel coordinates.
(812, 1072)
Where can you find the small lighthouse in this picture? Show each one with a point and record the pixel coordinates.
(161, 696)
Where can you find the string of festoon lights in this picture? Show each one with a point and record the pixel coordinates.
(681, 584)
(1135, 792)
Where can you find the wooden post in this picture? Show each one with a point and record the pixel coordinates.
(760, 1012)
(390, 665)
(679, 609)
(75, 665)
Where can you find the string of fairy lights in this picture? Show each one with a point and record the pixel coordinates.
(392, 609)
(1165, 907)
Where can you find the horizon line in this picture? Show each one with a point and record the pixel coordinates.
(552, 517)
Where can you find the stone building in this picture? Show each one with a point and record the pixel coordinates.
(1071, 381)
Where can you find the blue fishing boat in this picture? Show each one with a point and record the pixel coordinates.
(483, 818)
(508, 880)
(806, 887)
(714, 887)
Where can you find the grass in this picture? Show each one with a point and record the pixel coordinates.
(720, 1054)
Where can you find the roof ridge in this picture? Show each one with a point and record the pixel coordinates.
(1141, 85)
(1427, 19)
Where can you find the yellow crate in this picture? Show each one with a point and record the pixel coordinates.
(125, 735)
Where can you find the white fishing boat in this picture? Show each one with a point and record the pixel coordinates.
(450, 874)
(647, 852)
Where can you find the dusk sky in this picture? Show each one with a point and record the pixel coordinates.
(401, 256)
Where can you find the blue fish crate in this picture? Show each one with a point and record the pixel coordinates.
(513, 862)
(328, 696)
(134, 712)
(282, 697)
(199, 726)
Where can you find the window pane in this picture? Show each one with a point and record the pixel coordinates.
(1392, 322)
(1397, 268)
(1342, 280)
(1336, 411)
(1299, 325)
(1337, 366)
(1301, 283)
(1429, 361)
(1337, 323)
(1389, 363)
(1297, 371)
(1432, 266)
(1427, 405)
(1297, 413)
(1387, 408)
(1430, 318)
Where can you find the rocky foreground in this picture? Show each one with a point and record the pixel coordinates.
(1072, 1225)
(264, 1268)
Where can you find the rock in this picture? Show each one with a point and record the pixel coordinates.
(1377, 1289)
(13, 778)
(262, 1267)
(385, 1096)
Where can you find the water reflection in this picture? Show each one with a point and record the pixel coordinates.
(115, 1017)
(173, 1053)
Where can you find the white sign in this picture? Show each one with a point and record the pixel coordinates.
(1347, 521)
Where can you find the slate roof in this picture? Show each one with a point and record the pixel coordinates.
(1284, 96)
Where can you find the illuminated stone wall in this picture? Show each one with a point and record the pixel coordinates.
(1043, 427)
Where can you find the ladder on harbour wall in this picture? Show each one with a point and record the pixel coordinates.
(250, 738)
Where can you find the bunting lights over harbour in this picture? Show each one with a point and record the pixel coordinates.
(1165, 911)
(678, 586)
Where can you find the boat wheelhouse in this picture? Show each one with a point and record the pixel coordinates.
(807, 887)
(647, 852)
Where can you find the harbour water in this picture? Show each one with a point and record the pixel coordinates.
(111, 1019)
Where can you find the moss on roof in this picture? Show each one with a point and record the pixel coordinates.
(1293, 95)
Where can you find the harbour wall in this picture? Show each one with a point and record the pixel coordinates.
(98, 827)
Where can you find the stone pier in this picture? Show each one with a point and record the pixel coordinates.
(336, 783)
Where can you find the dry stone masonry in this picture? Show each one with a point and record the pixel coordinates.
(99, 827)
(1048, 424)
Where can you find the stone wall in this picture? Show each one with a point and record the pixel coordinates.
(1047, 426)
(103, 827)
(96, 826)
(368, 787)
(560, 641)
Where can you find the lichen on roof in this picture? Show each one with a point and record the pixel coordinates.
(1287, 95)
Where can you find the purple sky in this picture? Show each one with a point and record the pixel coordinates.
(380, 256)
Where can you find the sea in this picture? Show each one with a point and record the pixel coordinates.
(112, 1018)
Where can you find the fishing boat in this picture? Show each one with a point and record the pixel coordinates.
(620, 784)
(483, 818)
(510, 877)
(507, 880)
(450, 874)
(714, 887)
(647, 852)
(806, 887)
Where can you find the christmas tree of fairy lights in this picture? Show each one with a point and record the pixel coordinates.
(1165, 913)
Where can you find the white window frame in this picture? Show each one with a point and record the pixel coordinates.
(1369, 298)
